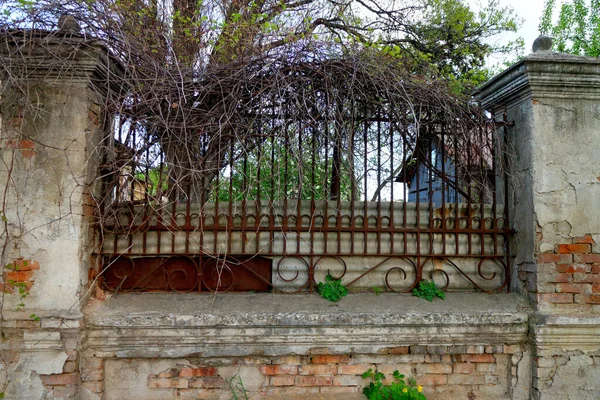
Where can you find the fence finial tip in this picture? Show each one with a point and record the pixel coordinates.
(542, 43)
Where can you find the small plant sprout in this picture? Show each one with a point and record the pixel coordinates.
(332, 289)
(427, 290)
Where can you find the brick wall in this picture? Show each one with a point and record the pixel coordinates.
(568, 277)
(19, 273)
(469, 372)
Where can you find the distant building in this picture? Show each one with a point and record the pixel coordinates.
(459, 170)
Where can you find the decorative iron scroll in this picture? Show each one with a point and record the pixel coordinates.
(260, 274)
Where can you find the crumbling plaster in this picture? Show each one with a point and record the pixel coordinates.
(566, 178)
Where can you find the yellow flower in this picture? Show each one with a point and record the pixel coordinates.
(405, 390)
(420, 388)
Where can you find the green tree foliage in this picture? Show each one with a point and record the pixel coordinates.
(275, 171)
(574, 26)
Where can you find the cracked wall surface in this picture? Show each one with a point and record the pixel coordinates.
(554, 101)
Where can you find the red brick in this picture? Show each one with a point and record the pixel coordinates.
(289, 360)
(288, 392)
(314, 380)
(8, 288)
(279, 369)
(592, 299)
(169, 373)
(572, 288)
(485, 367)
(465, 379)
(464, 368)
(329, 359)
(70, 366)
(587, 258)
(574, 248)
(587, 239)
(434, 369)
(512, 348)
(478, 358)
(19, 144)
(554, 258)
(357, 369)
(398, 350)
(563, 278)
(331, 390)
(475, 349)
(16, 122)
(322, 369)
(437, 358)
(28, 324)
(60, 379)
(596, 288)
(23, 265)
(167, 383)
(586, 278)
(349, 380)
(26, 144)
(189, 372)
(208, 382)
(28, 153)
(556, 297)
(282, 381)
(573, 268)
(18, 276)
(431, 380)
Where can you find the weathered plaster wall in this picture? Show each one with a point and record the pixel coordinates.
(469, 345)
(567, 177)
(554, 100)
(47, 183)
(49, 159)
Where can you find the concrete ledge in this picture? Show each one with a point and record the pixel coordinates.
(177, 325)
(566, 332)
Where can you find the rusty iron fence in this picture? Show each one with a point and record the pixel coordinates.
(377, 202)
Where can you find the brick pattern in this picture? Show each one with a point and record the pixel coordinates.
(67, 384)
(569, 277)
(92, 375)
(23, 146)
(460, 369)
(19, 273)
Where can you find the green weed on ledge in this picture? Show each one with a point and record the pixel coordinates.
(332, 289)
(427, 290)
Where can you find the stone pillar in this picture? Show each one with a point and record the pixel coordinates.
(554, 101)
(52, 126)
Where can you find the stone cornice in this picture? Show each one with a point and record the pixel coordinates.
(361, 323)
(61, 60)
(576, 333)
(543, 75)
